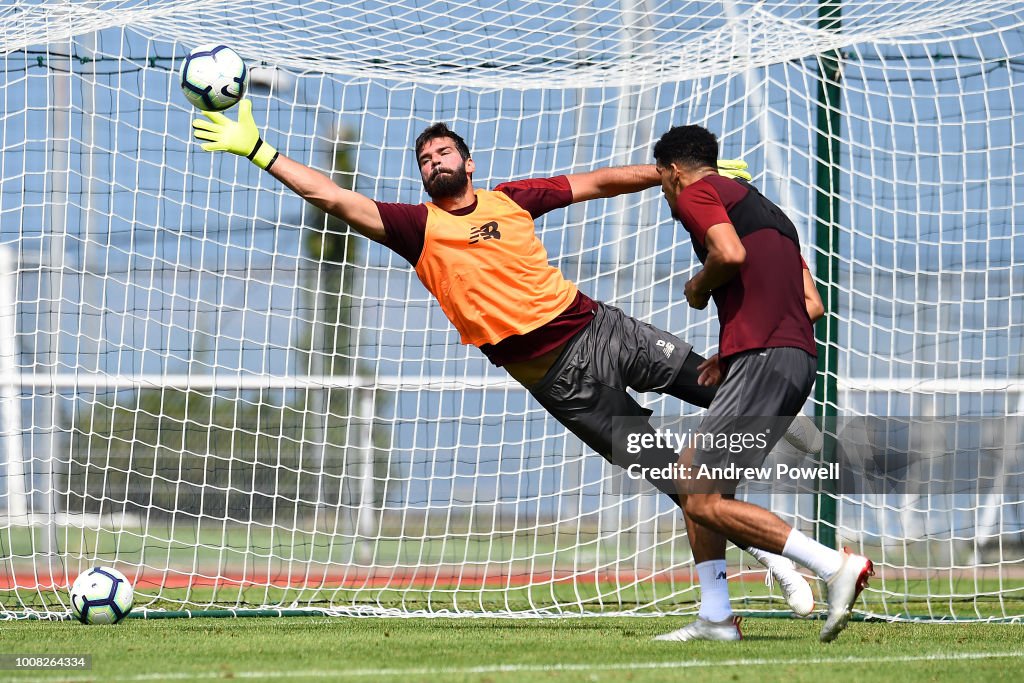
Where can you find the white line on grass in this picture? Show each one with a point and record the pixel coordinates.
(531, 668)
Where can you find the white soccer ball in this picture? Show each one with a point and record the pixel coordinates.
(213, 77)
(101, 595)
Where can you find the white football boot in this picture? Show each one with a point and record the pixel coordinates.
(793, 585)
(842, 591)
(727, 629)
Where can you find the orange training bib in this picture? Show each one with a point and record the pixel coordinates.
(489, 270)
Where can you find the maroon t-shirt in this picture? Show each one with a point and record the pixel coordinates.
(405, 226)
(763, 305)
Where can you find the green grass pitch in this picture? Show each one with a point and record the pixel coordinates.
(507, 650)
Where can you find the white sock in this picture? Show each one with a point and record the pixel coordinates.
(820, 559)
(714, 591)
(770, 560)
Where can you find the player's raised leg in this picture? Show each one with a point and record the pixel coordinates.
(845, 575)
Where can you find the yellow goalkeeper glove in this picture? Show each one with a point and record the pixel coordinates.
(733, 168)
(239, 137)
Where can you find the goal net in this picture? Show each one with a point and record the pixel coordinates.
(244, 406)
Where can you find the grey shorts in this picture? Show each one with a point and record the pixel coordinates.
(585, 388)
(763, 391)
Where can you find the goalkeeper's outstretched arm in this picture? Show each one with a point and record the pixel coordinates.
(241, 137)
(316, 188)
(616, 180)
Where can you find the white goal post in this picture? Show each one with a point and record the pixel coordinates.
(244, 406)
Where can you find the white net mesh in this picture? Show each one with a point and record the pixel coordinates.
(239, 410)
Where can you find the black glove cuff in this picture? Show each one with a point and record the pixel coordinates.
(255, 148)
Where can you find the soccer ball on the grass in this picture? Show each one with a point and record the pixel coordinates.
(213, 77)
(101, 595)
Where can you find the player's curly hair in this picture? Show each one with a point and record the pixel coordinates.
(441, 130)
(691, 146)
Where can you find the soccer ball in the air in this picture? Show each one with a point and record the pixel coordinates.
(213, 77)
(101, 595)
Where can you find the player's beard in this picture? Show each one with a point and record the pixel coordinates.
(447, 185)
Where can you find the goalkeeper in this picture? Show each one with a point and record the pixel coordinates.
(476, 252)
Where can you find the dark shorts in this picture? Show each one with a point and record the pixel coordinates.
(763, 391)
(585, 389)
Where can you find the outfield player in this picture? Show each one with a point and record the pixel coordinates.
(477, 252)
(751, 259)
